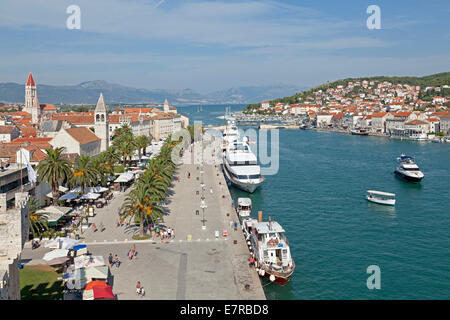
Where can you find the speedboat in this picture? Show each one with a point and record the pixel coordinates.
(408, 169)
(244, 207)
(241, 167)
(270, 247)
(381, 197)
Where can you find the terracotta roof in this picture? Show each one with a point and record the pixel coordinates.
(417, 122)
(6, 129)
(85, 118)
(28, 131)
(30, 81)
(379, 114)
(42, 143)
(48, 107)
(82, 134)
(401, 114)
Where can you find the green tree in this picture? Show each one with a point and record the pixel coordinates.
(38, 221)
(141, 142)
(54, 169)
(84, 173)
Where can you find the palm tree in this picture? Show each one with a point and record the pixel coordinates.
(142, 205)
(126, 149)
(38, 221)
(54, 169)
(84, 173)
(141, 142)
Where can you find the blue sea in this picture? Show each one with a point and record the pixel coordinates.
(317, 195)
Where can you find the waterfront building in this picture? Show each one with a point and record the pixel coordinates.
(445, 123)
(265, 105)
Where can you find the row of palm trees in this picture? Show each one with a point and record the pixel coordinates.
(90, 171)
(143, 203)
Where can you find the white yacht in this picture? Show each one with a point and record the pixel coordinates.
(244, 207)
(241, 167)
(230, 134)
(408, 169)
(270, 248)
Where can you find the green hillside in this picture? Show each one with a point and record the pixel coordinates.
(433, 80)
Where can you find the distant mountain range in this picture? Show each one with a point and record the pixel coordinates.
(88, 92)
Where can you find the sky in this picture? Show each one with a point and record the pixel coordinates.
(209, 45)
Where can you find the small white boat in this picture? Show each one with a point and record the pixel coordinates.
(244, 207)
(381, 197)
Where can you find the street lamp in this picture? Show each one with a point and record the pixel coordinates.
(203, 206)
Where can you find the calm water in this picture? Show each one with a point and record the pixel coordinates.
(335, 234)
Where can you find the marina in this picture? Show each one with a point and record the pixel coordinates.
(335, 233)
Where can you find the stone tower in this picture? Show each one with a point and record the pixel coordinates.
(31, 101)
(102, 123)
(166, 106)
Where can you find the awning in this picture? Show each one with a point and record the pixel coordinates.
(86, 261)
(103, 292)
(91, 196)
(57, 261)
(97, 283)
(125, 177)
(79, 246)
(98, 189)
(54, 213)
(62, 243)
(96, 272)
(58, 253)
(69, 196)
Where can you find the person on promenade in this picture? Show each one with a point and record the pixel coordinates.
(210, 190)
(102, 227)
(116, 261)
(110, 260)
(117, 222)
(140, 289)
(189, 175)
(130, 254)
(134, 250)
(173, 233)
(94, 227)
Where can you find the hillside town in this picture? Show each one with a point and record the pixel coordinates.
(380, 108)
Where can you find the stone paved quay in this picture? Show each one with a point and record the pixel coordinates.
(201, 268)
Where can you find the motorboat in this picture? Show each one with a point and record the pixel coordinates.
(408, 169)
(360, 132)
(244, 207)
(241, 167)
(270, 248)
(381, 197)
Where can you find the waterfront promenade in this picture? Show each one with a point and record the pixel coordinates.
(193, 265)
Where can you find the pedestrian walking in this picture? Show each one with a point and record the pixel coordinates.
(130, 254)
(173, 233)
(94, 227)
(110, 260)
(102, 227)
(235, 226)
(134, 250)
(117, 222)
(169, 233)
(210, 190)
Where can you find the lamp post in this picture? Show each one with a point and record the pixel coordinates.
(203, 206)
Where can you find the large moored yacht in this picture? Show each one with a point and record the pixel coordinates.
(241, 166)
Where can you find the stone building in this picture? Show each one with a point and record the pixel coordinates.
(14, 229)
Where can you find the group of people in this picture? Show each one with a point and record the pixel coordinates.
(132, 252)
(114, 261)
(167, 234)
(101, 227)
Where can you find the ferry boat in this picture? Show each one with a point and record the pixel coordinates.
(381, 197)
(360, 132)
(244, 207)
(241, 167)
(270, 248)
(408, 169)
